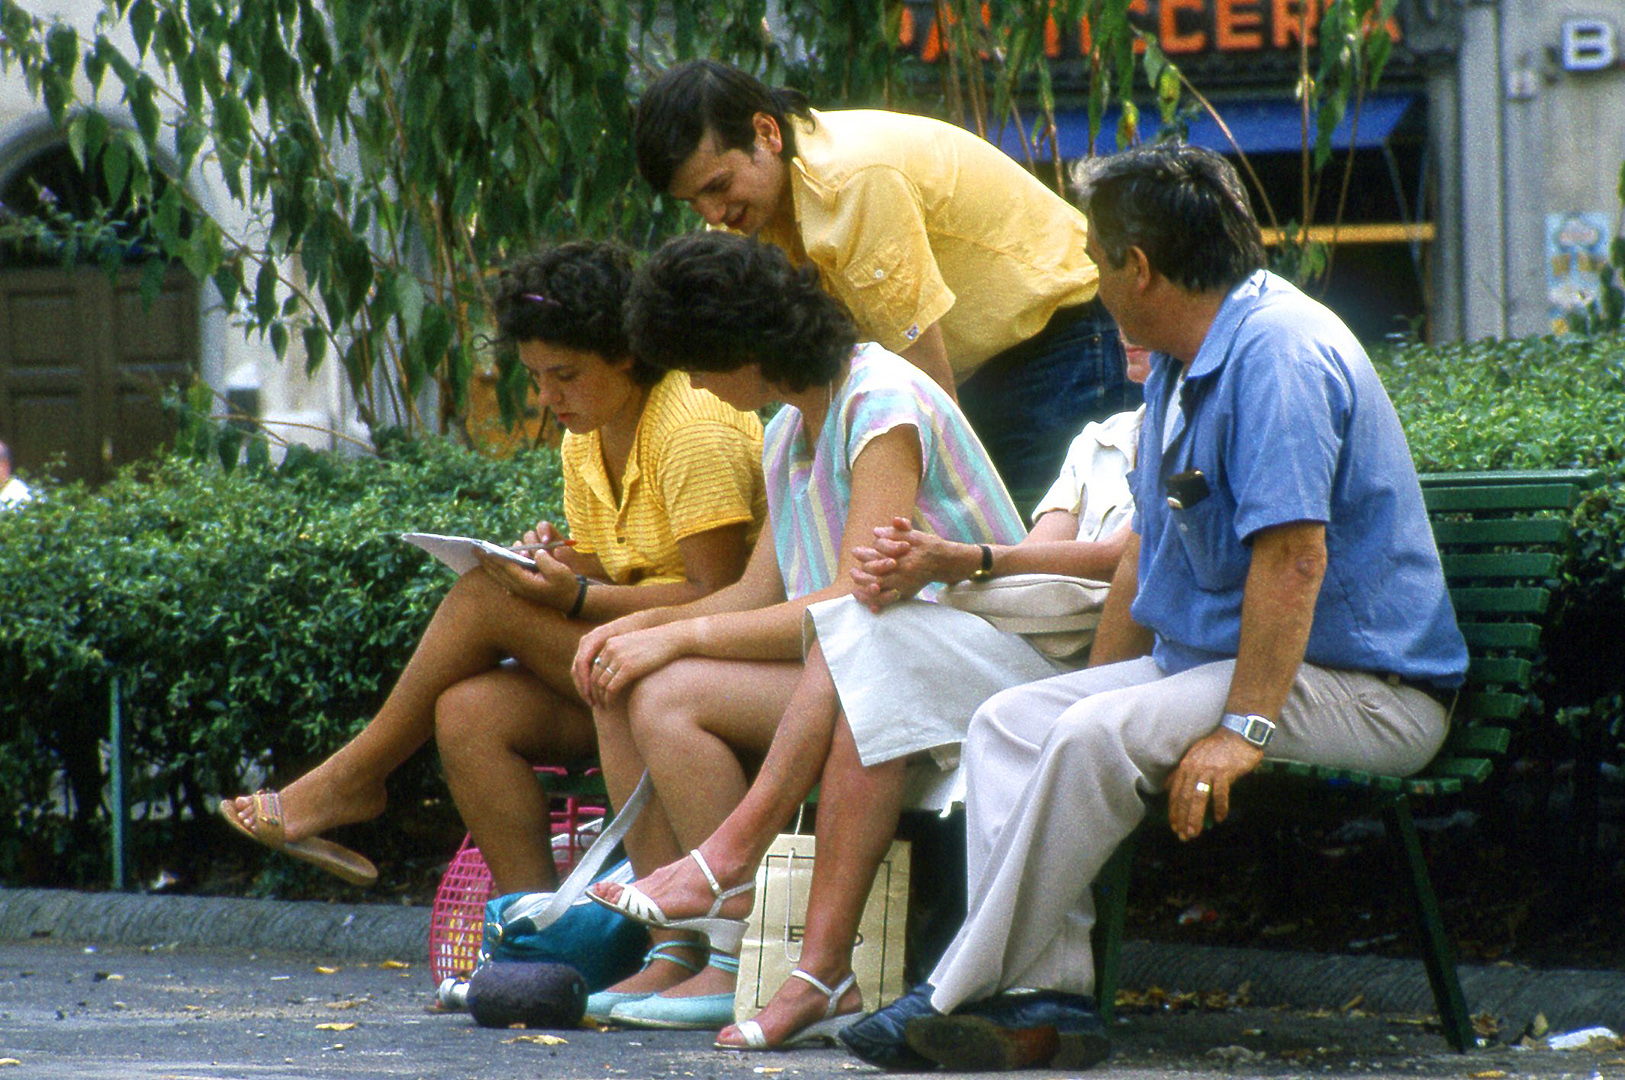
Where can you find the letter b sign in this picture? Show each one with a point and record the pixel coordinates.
(1588, 45)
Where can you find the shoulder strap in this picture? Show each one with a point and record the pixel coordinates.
(544, 909)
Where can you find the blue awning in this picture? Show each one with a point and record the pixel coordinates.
(1260, 125)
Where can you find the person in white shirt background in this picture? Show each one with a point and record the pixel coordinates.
(12, 490)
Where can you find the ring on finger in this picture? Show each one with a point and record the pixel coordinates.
(609, 671)
(597, 660)
(1203, 786)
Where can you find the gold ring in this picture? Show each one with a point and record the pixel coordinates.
(1203, 786)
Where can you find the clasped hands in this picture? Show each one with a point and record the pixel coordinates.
(900, 562)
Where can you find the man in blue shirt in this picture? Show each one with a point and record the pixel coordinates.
(1282, 595)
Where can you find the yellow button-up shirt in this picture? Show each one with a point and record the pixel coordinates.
(911, 221)
(695, 465)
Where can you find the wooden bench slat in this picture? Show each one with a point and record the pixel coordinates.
(1584, 478)
(1504, 671)
(1501, 564)
(1476, 739)
(1428, 787)
(1491, 706)
(1503, 600)
(1502, 497)
(1499, 635)
(1550, 530)
(1464, 768)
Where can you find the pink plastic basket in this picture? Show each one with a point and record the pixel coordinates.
(457, 920)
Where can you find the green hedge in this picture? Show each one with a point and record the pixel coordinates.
(255, 618)
(1537, 403)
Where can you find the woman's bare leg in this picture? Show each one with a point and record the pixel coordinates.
(476, 626)
(789, 771)
(858, 808)
(688, 723)
(490, 730)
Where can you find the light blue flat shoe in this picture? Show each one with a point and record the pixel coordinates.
(601, 1004)
(703, 1012)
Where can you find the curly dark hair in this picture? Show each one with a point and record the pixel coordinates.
(705, 95)
(715, 301)
(1183, 206)
(572, 295)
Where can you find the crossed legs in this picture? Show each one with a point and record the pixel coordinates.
(476, 626)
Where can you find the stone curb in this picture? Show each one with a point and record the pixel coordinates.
(374, 932)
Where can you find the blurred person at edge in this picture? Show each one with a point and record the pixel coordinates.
(13, 492)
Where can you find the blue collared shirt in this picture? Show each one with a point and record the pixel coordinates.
(1288, 422)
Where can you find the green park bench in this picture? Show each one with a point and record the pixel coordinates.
(1501, 536)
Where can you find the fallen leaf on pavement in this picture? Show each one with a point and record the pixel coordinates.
(326, 970)
(1487, 1074)
(395, 964)
(345, 1004)
(539, 1040)
(8, 1061)
(1353, 1002)
(335, 1027)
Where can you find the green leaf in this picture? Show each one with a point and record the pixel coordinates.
(62, 45)
(116, 168)
(279, 339)
(144, 107)
(142, 17)
(408, 301)
(315, 348)
(265, 292)
(152, 282)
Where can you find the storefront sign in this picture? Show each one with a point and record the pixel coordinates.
(1588, 45)
(1180, 27)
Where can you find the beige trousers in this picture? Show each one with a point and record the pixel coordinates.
(1056, 774)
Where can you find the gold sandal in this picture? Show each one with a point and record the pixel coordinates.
(336, 859)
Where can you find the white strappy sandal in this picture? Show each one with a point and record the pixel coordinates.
(725, 935)
(819, 1031)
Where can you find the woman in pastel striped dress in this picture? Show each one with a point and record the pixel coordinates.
(696, 694)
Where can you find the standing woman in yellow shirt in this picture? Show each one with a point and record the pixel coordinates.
(663, 497)
(944, 250)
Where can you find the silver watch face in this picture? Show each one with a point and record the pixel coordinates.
(1255, 729)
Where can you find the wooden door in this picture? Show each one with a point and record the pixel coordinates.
(84, 366)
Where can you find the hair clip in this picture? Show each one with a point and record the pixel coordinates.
(540, 299)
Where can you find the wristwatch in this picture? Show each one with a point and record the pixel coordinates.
(1252, 727)
(987, 565)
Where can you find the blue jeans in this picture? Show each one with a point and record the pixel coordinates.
(1030, 401)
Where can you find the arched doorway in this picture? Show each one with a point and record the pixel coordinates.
(84, 362)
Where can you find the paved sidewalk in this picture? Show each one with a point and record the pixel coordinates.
(375, 932)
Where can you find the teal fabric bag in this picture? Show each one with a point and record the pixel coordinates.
(567, 927)
(603, 945)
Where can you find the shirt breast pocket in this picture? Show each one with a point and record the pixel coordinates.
(1207, 533)
(881, 272)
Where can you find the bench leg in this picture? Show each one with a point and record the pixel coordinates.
(1437, 953)
(1111, 906)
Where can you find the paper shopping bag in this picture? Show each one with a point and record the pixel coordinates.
(772, 946)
